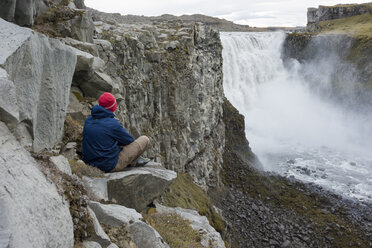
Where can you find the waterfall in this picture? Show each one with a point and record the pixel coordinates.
(294, 127)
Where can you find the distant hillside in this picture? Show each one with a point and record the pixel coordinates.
(340, 11)
(360, 25)
(217, 23)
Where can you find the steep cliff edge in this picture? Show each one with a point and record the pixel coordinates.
(168, 80)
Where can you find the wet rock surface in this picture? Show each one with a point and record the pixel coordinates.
(265, 210)
(351, 53)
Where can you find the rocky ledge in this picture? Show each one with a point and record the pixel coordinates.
(127, 188)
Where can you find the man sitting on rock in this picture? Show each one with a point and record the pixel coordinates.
(106, 143)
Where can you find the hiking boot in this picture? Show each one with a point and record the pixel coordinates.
(141, 161)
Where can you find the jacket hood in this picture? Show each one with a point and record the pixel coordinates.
(99, 112)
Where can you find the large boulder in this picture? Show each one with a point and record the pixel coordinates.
(138, 187)
(32, 213)
(141, 234)
(135, 188)
(40, 70)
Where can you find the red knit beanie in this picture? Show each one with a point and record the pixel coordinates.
(108, 101)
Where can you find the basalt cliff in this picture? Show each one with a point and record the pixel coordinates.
(202, 188)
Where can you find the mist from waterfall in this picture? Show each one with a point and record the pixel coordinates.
(294, 123)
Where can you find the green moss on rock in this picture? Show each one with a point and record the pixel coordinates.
(81, 169)
(184, 193)
(176, 231)
(73, 131)
(78, 96)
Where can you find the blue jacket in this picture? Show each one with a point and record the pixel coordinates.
(102, 137)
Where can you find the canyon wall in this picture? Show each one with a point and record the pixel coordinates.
(325, 13)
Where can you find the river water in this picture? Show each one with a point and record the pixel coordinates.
(296, 129)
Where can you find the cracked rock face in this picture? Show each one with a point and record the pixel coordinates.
(324, 13)
(41, 71)
(170, 87)
(32, 214)
(167, 79)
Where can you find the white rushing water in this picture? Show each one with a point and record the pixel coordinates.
(295, 130)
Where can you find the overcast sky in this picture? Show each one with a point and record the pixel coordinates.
(259, 13)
